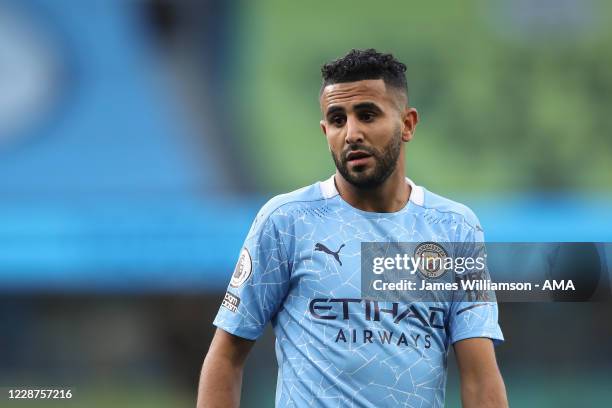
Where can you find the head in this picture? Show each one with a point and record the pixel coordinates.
(366, 117)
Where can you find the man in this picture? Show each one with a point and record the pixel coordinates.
(300, 270)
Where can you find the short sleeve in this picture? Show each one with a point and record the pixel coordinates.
(469, 315)
(475, 319)
(258, 285)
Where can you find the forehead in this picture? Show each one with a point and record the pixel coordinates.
(349, 93)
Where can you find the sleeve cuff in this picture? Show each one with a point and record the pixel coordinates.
(497, 338)
(239, 331)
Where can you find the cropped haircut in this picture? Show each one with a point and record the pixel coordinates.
(359, 65)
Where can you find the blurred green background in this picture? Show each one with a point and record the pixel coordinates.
(138, 138)
(511, 95)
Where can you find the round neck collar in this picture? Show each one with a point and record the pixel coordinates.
(417, 196)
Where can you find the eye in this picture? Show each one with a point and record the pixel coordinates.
(367, 116)
(337, 120)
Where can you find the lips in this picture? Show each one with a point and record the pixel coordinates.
(358, 158)
(356, 155)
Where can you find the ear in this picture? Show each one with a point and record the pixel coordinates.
(323, 127)
(410, 118)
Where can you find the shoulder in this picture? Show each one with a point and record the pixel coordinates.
(441, 207)
(284, 205)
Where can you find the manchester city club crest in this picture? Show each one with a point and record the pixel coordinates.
(432, 257)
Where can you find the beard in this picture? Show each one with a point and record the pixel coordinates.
(385, 162)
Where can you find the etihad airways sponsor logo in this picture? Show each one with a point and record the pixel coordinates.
(372, 310)
(419, 319)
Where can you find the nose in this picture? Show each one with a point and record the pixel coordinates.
(354, 131)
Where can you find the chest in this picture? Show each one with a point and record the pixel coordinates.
(326, 252)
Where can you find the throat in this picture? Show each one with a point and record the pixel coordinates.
(391, 196)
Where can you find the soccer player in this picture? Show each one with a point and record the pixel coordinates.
(300, 270)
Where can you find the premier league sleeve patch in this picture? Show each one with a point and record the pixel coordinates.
(243, 269)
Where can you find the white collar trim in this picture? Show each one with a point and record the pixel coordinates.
(417, 194)
(328, 188)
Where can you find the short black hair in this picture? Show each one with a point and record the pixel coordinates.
(359, 65)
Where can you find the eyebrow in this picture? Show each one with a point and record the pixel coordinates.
(368, 106)
(360, 106)
(334, 109)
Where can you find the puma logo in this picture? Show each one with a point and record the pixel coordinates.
(336, 254)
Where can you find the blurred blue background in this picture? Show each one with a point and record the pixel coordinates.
(139, 138)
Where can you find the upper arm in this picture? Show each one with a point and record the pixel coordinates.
(230, 347)
(473, 313)
(221, 377)
(476, 357)
(481, 381)
(259, 284)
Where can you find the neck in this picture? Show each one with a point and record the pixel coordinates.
(391, 196)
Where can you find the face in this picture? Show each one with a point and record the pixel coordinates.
(365, 124)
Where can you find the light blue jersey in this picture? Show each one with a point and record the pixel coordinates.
(300, 269)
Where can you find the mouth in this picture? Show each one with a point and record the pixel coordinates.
(358, 157)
